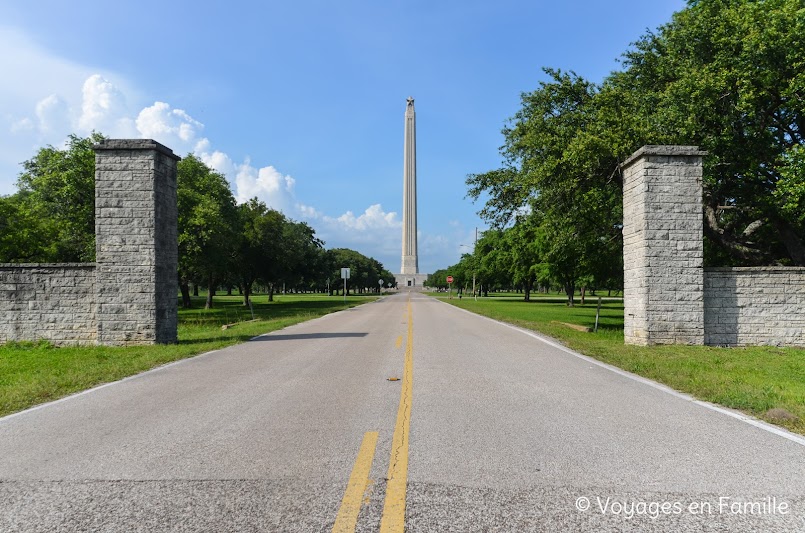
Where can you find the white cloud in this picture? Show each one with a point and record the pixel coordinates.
(103, 108)
(375, 232)
(172, 127)
(267, 184)
(53, 115)
(22, 125)
(373, 219)
(215, 159)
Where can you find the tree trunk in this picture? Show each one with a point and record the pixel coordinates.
(246, 291)
(583, 290)
(186, 302)
(792, 242)
(229, 290)
(270, 292)
(210, 292)
(570, 290)
(195, 289)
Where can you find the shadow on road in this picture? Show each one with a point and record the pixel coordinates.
(302, 336)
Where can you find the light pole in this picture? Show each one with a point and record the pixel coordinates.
(474, 295)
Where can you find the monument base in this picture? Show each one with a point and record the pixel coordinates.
(410, 282)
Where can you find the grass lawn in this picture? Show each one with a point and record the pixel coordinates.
(755, 380)
(32, 373)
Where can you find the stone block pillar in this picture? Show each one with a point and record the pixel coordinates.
(137, 252)
(663, 246)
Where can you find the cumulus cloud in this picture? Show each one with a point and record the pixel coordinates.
(267, 184)
(215, 159)
(103, 108)
(172, 127)
(53, 115)
(374, 218)
(374, 232)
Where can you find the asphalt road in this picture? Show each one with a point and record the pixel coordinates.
(488, 428)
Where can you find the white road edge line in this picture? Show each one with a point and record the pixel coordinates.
(752, 421)
(163, 367)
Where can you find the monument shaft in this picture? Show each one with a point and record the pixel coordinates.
(410, 262)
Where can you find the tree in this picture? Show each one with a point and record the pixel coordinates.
(727, 75)
(558, 168)
(258, 246)
(297, 254)
(438, 279)
(56, 196)
(365, 272)
(27, 235)
(208, 226)
(522, 243)
(491, 261)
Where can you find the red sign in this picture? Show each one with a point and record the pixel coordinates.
(449, 279)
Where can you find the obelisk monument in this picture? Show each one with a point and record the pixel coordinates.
(409, 272)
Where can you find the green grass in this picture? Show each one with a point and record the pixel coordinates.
(754, 380)
(32, 373)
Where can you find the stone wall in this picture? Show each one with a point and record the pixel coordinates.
(662, 246)
(669, 297)
(751, 306)
(129, 295)
(54, 302)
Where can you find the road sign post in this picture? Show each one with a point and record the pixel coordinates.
(380, 290)
(345, 277)
(449, 287)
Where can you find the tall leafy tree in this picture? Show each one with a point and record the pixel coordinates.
(258, 244)
(27, 234)
(209, 227)
(524, 255)
(558, 167)
(57, 187)
(727, 75)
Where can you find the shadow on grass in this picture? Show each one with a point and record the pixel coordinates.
(231, 310)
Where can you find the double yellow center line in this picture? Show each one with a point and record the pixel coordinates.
(393, 518)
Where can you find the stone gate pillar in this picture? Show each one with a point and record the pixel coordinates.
(136, 244)
(663, 246)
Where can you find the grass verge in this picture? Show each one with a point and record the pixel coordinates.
(33, 373)
(765, 382)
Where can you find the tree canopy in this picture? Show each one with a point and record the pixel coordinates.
(51, 218)
(726, 75)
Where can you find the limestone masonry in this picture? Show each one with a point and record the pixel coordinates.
(55, 302)
(129, 295)
(669, 297)
(754, 306)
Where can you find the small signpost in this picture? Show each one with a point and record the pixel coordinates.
(380, 282)
(449, 287)
(345, 277)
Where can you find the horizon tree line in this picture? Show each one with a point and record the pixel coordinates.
(222, 245)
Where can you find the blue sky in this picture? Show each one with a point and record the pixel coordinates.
(301, 103)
